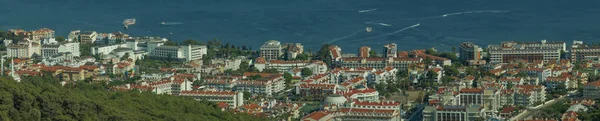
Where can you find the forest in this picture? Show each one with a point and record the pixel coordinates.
(43, 98)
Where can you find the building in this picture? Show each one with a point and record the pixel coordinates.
(592, 90)
(527, 51)
(469, 96)
(338, 109)
(180, 53)
(88, 36)
(469, 52)
(390, 50)
(23, 50)
(529, 95)
(378, 63)
(105, 49)
(318, 67)
(74, 35)
(269, 85)
(42, 34)
(271, 50)
(364, 51)
(54, 49)
(232, 98)
(452, 113)
(293, 50)
(581, 52)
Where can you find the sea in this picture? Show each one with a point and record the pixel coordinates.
(412, 24)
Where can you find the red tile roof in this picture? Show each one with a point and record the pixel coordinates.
(382, 103)
(470, 90)
(316, 115)
(595, 83)
(508, 109)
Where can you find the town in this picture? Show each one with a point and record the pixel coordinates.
(513, 80)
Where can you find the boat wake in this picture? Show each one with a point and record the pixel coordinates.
(391, 33)
(442, 16)
(381, 24)
(471, 12)
(368, 10)
(171, 23)
(344, 37)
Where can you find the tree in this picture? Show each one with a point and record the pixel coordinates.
(474, 84)
(170, 43)
(431, 51)
(453, 49)
(306, 72)
(373, 53)
(125, 56)
(244, 66)
(451, 71)
(60, 39)
(190, 42)
(288, 79)
(302, 56)
(198, 82)
(247, 95)
(255, 77)
(323, 55)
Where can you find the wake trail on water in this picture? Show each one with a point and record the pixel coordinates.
(368, 10)
(441, 16)
(344, 37)
(171, 23)
(388, 34)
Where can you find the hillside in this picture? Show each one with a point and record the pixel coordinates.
(42, 98)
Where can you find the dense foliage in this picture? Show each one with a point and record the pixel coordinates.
(42, 98)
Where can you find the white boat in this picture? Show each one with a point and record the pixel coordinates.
(369, 29)
(129, 21)
(163, 23)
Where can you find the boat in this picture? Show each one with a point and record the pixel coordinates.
(171, 33)
(369, 29)
(163, 23)
(128, 22)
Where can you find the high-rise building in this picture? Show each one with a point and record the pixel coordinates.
(527, 51)
(581, 52)
(271, 50)
(469, 51)
(391, 50)
(364, 51)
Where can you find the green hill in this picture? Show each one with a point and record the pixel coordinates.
(42, 98)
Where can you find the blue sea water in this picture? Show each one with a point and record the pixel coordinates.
(314, 22)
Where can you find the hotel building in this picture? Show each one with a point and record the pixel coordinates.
(528, 51)
(581, 52)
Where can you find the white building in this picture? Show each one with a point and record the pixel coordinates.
(88, 36)
(54, 49)
(232, 98)
(184, 53)
(318, 67)
(271, 50)
(23, 50)
(105, 49)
